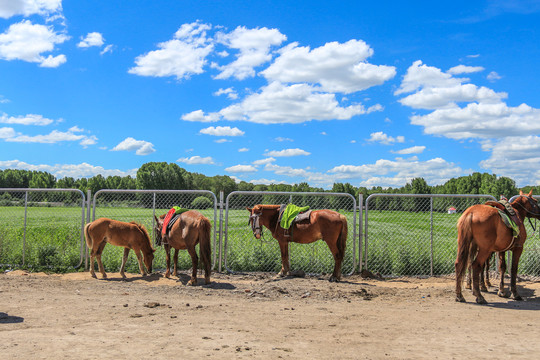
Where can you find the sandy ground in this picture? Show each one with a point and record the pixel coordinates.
(73, 316)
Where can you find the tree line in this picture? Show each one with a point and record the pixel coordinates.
(162, 175)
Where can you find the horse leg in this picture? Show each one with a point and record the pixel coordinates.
(175, 258)
(98, 257)
(139, 259)
(92, 258)
(338, 259)
(516, 253)
(168, 257)
(486, 267)
(502, 270)
(469, 278)
(285, 267)
(482, 279)
(124, 259)
(194, 265)
(477, 268)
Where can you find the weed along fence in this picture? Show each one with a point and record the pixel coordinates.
(397, 235)
(242, 252)
(42, 228)
(141, 206)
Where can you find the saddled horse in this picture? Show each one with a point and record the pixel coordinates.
(481, 231)
(129, 235)
(190, 229)
(328, 225)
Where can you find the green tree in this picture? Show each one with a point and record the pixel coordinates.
(161, 175)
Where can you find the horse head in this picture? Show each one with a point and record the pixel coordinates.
(158, 225)
(529, 204)
(254, 220)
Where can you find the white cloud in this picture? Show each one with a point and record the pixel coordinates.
(183, 56)
(464, 69)
(9, 8)
(222, 131)
(91, 39)
(280, 104)
(516, 158)
(282, 139)
(67, 170)
(493, 76)
(479, 120)
(337, 67)
(266, 182)
(55, 136)
(241, 169)
(29, 119)
(419, 75)
(195, 160)
(221, 141)
(254, 50)
(107, 49)
(230, 92)
(383, 138)
(26, 41)
(139, 146)
(398, 172)
(264, 161)
(411, 150)
(287, 153)
(7, 132)
(243, 150)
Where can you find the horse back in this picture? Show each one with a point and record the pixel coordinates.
(115, 232)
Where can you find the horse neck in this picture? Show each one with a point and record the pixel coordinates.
(270, 217)
(147, 243)
(520, 208)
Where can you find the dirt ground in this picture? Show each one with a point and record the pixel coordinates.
(72, 316)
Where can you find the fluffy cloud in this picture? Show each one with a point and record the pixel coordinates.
(411, 150)
(181, 57)
(9, 8)
(230, 92)
(29, 119)
(67, 170)
(222, 131)
(55, 136)
(337, 67)
(26, 41)
(254, 50)
(196, 160)
(91, 39)
(287, 153)
(139, 146)
(241, 169)
(464, 69)
(277, 103)
(383, 138)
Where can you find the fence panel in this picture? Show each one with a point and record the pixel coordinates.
(413, 235)
(243, 252)
(141, 206)
(42, 228)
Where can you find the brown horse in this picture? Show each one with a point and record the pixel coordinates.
(129, 235)
(190, 229)
(481, 231)
(327, 225)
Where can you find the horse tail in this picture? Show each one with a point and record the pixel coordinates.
(205, 251)
(342, 238)
(87, 236)
(465, 243)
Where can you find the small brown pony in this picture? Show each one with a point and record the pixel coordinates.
(481, 231)
(327, 225)
(190, 229)
(129, 235)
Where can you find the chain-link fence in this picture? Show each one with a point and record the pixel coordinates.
(42, 228)
(411, 234)
(141, 206)
(242, 252)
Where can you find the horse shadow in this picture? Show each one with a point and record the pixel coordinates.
(184, 279)
(9, 319)
(530, 301)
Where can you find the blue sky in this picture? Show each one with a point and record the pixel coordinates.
(370, 93)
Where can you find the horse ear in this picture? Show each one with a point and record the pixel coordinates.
(520, 193)
(530, 193)
(155, 217)
(248, 209)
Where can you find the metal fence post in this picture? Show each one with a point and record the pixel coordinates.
(24, 233)
(431, 232)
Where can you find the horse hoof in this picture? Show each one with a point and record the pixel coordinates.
(503, 294)
(333, 279)
(481, 301)
(94, 276)
(518, 298)
(484, 289)
(460, 298)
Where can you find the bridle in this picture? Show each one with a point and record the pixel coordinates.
(534, 205)
(255, 224)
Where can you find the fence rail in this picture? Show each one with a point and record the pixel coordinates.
(396, 235)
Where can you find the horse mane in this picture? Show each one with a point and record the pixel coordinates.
(143, 230)
(269, 207)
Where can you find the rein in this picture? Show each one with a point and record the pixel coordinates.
(531, 202)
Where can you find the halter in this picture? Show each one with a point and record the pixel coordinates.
(255, 224)
(533, 203)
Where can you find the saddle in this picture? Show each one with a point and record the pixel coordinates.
(290, 214)
(168, 222)
(508, 216)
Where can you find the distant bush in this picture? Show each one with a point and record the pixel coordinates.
(201, 203)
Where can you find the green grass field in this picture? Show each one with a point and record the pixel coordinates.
(399, 243)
